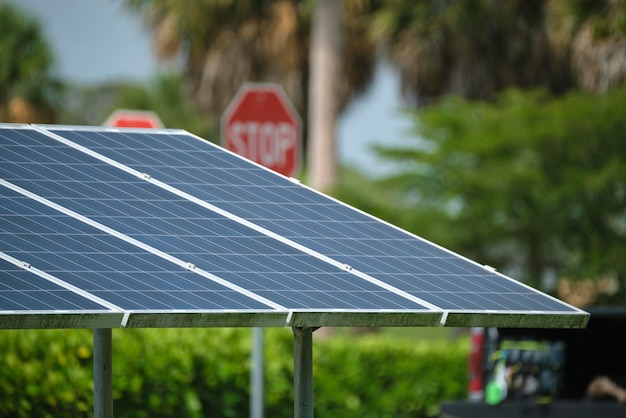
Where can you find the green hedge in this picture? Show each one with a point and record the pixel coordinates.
(205, 373)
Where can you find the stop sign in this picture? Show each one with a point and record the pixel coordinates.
(262, 125)
(125, 118)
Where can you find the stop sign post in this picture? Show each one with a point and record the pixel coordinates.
(262, 125)
(125, 118)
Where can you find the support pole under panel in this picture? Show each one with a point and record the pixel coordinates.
(103, 373)
(303, 372)
(257, 375)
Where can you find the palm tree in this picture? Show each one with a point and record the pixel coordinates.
(28, 90)
(226, 43)
(597, 40)
(477, 48)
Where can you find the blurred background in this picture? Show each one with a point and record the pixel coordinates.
(493, 128)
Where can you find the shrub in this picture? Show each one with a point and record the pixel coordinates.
(205, 373)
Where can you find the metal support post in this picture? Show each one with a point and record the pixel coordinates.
(303, 372)
(256, 374)
(103, 373)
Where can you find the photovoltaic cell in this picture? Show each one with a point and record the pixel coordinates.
(313, 220)
(21, 290)
(170, 224)
(101, 264)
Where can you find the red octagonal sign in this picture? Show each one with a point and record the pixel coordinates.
(262, 125)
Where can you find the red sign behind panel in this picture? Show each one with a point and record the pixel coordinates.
(262, 125)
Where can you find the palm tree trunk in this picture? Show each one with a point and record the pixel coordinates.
(325, 59)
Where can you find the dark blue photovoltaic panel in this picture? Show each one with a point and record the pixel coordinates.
(181, 228)
(21, 290)
(304, 216)
(101, 264)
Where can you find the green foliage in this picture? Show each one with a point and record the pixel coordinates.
(364, 193)
(181, 373)
(374, 377)
(26, 67)
(45, 374)
(165, 95)
(532, 184)
(606, 17)
(205, 373)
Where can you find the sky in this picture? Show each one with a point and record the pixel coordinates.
(96, 41)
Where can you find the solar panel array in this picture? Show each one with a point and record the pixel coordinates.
(128, 227)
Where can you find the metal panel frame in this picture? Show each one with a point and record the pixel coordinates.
(60, 319)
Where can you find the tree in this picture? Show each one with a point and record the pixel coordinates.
(29, 92)
(163, 94)
(531, 184)
(227, 43)
(478, 48)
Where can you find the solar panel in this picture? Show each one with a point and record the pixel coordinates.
(107, 268)
(325, 228)
(172, 230)
(131, 232)
(28, 300)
